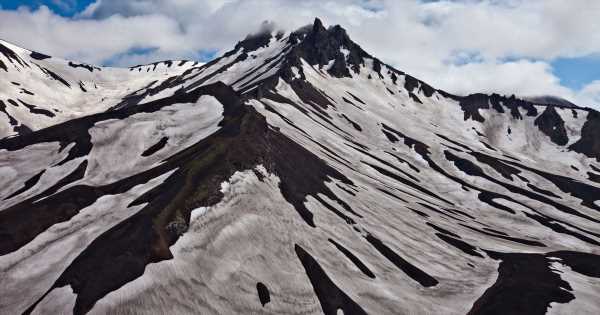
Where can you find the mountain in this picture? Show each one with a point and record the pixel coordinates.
(299, 174)
(551, 100)
(39, 91)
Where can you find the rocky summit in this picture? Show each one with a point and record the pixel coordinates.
(295, 174)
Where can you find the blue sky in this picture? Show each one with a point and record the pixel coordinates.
(461, 46)
(62, 7)
(116, 60)
(575, 73)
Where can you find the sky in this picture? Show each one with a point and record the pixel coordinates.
(522, 47)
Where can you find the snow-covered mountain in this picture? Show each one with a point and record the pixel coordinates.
(296, 174)
(39, 91)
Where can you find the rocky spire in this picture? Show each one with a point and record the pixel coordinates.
(319, 46)
(318, 25)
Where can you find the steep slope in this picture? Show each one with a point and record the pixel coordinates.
(37, 91)
(298, 174)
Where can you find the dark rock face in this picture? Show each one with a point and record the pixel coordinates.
(85, 66)
(580, 190)
(254, 42)
(154, 65)
(411, 84)
(411, 270)
(28, 184)
(20, 129)
(525, 285)
(36, 110)
(583, 263)
(514, 104)
(55, 76)
(318, 46)
(38, 56)
(355, 260)
(471, 105)
(262, 38)
(461, 245)
(503, 169)
(12, 56)
(550, 123)
(589, 144)
(329, 294)
(156, 147)
(263, 293)
(11, 119)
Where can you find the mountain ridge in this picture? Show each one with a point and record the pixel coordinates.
(334, 35)
(299, 174)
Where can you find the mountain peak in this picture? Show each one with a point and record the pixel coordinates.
(261, 38)
(318, 25)
(320, 46)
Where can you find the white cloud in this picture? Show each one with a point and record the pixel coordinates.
(433, 40)
(590, 95)
(522, 77)
(92, 41)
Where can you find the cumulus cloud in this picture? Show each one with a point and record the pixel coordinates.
(462, 46)
(93, 41)
(590, 95)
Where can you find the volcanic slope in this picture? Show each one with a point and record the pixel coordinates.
(37, 90)
(298, 174)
